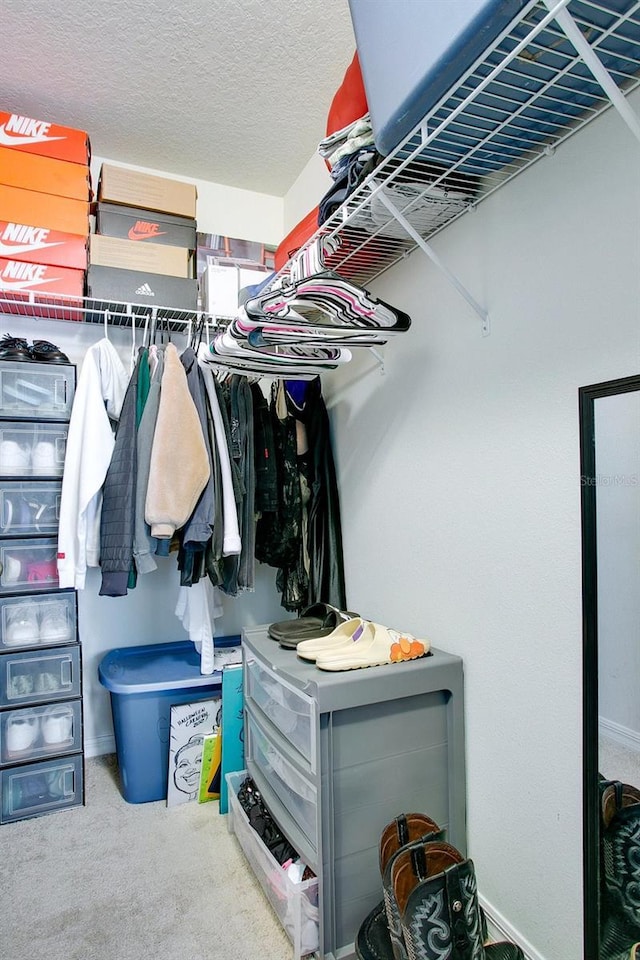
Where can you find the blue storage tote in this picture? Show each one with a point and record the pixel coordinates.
(144, 683)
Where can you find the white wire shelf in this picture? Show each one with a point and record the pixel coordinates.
(527, 94)
(115, 313)
(555, 68)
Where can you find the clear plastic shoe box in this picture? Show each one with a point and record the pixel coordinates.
(28, 565)
(296, 904)
(31, 733)
(38, 788)
(39, 676)
(29, 507)
(32, 449)
(36, 391)
(35, 621)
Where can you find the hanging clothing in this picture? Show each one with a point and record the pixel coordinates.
(240, 576)
(96, 408)
(279, 534)
(231, 543)
(118, 505)
(324, 536)
(198, 528)
(179, 468)
(198, 606)
(144, 545)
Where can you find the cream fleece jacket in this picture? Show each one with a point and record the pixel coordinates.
(180, 466)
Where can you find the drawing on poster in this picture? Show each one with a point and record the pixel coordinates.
(190, 723)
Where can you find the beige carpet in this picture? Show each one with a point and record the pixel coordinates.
(120, 881)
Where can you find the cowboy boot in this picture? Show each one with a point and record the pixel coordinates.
(380, 934)
(374, 941)
(434, 888)
(619, 867)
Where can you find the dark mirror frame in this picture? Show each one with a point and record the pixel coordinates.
(591, 824)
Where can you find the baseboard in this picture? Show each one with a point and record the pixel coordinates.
(500, 929)
(99, 746)
(624, 735)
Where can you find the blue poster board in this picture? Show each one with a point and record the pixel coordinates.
(232, 728)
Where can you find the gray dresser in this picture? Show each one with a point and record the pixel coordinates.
(338, 755)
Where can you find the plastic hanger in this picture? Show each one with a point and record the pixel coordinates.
(327, 300)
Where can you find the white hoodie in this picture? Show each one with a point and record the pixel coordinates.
(99, 395)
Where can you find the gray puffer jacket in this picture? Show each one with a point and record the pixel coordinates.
(118, 501)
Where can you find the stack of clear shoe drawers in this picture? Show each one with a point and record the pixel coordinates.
(41, 761)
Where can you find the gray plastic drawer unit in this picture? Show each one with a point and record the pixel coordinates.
(339, 755)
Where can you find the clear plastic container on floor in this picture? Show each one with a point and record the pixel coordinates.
(295, 903)
(34, 789)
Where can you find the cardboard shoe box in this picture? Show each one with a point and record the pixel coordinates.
(145, 226)
(18, 241)
(145, 257)
(19, 277)
(44, 175)
(44, 210)
(136, 189)
(137, 287)
(43, 138)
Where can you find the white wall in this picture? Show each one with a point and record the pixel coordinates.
(460, 489)
(307, 191)
(146, 615)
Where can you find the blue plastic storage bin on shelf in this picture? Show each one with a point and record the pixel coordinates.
(144, 683)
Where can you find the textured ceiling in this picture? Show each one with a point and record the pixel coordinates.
(233, 91)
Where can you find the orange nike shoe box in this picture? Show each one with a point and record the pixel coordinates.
(18, 241)
(44, 175)
(44, 138)
(17, 276)
(44, 210)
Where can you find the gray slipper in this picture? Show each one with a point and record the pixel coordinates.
(318, 620)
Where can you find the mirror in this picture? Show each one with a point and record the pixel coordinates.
(610, 479)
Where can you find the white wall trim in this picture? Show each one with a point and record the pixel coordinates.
(500, 929)
(611, 730)
(98, 746)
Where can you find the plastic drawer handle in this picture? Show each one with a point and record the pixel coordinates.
(66, 672)
(60, 387)
(69, 783)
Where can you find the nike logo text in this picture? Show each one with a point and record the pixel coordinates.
(143, 230)
(23, 130)
(18, 276)
(21, 238)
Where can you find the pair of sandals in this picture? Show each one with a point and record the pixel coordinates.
(17, 348)
(317, 620)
